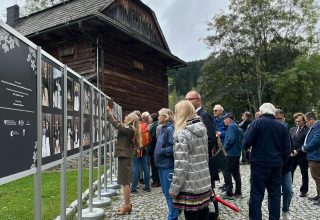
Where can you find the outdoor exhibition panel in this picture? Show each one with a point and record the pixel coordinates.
(73, 109)
(87, 122)
(52, 96)
(18, 107)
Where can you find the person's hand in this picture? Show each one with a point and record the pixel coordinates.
(109, 110)
(218, 134)
(172, 194)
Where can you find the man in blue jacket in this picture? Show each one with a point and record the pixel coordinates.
(270, 148)
(312, 147)
(232, 146)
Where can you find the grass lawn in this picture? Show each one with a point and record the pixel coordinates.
(16, 198)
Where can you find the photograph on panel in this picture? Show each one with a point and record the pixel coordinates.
(103, 107)
(70, 94)
(46, 82)
(57, 134)
(57, 88)
(46, 135)
(70, 135)
(97, 127)
(76, 96)
(76, 132)
(86, 100)
(95, 103)
(94, 130)
(86, 131)
(108, 131)
(103, 128)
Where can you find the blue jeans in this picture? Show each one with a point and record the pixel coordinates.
(164, 175)
(265, 178)
(146, 176)
(286, 184)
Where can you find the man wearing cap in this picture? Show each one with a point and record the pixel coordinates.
(270, 149)
(232, 147)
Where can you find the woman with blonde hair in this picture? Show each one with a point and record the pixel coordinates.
(191, 184)
(163, 157)
(128, 137)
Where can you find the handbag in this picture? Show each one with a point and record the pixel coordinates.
(218, 161)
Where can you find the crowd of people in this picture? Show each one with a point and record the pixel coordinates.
(178, 151)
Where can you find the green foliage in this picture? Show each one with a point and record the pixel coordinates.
(297, 88)
(255, 44)
(31, 6)
(182, 80)
(17, 201)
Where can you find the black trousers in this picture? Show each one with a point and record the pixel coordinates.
(202, 214)
(154, 169)
(262, 178)
(233, 170)
(303, 163)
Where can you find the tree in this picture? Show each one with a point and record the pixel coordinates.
(31, 6)
(262, 38)
(297, 89)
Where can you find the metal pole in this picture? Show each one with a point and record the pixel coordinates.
(37, 175)
(99, 149)
(63, 180)
(91, 155)
(80, 153)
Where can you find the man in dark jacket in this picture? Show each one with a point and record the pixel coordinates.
(298, 134)
(270, 148)
(312, 147)
(232, 146)
(195, 98)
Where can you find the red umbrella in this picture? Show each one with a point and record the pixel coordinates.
(218, 199)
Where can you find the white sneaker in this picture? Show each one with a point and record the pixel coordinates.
(286, 216)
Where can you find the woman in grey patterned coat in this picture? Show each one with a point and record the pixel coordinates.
(191, 185)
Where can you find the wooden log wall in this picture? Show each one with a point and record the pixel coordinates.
(79, 55)
(144, 90)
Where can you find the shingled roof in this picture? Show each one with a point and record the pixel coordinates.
(70, 11)
(59, 14)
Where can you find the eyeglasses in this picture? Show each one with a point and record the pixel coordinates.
(215, 110)
(298, 121)
(190, 99)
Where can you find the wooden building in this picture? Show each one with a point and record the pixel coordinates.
(116, 44)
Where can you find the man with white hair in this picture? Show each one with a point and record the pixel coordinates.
(270, 148)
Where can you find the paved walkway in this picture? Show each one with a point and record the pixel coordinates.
(152, 205)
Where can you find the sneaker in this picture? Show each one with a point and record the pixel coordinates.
(146, 189)
(226, 196)
(286, 216)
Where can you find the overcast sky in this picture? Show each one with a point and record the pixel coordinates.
(183, 23)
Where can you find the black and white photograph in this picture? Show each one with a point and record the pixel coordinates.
(70, 135)
(76, 96)
(46, 82)
(76, 132)
(57, 134)
(70, 97)
(103, 128)
(46, 135)
(57, 88)
(103, 106)
(95, 103)
(87, 99)
(86, 132)
(95, 129)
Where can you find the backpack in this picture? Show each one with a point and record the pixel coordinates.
(145, 137)
(240, 137)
